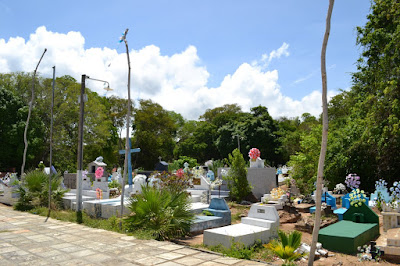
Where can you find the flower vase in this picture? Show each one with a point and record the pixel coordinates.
(253, 163)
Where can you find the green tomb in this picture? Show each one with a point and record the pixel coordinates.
(359, 226)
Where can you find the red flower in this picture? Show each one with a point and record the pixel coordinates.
(254, 153)
(180, 172)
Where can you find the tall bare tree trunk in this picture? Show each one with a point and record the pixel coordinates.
(128, 117)
(29, 116)
(324, 142)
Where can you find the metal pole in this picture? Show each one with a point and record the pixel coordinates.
(51, 139)
(127, 148)
(80, 151)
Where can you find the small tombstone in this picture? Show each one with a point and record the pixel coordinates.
(161, 166)
(86, 182)
(92, 167)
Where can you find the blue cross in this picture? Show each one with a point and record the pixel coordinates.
(129, 161)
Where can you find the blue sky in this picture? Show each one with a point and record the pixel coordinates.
(225, 35)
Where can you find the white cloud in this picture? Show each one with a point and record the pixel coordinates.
(266, 59)
(177, 82)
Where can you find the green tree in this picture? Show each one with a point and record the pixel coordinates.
(377, 90)
(12, 124)
(154, 134)
(237, 176)
(219, 116)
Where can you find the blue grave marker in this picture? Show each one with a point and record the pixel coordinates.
(129, 161)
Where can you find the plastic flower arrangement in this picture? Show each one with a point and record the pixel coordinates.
(380, 184)
(216, 183)
(352, 181)
(224, 172)
(197, 172)
(339, 188)
(276, 193)
(99, 193)
(84, 174)
(99, 172)
(395, 190)
(180, 173)
(254, 153)
(357, 197)
(395, 194)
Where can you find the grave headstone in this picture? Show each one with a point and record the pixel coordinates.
(161, 166)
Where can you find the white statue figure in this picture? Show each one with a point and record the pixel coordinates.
(138, 181)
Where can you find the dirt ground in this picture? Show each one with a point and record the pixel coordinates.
(334, 258)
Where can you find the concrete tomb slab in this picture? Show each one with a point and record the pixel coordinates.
(261, 224)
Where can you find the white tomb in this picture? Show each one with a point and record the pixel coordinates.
(268, 199)
(261, 224)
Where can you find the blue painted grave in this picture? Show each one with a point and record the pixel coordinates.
(346, 201)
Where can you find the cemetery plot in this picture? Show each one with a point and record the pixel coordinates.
(262, 224)
(359, 226)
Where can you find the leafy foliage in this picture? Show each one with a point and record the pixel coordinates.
(179, 163)
(286, 246)
(155, 131)
(34, 191)
(162, 213)
(237, 176)
(174, 183)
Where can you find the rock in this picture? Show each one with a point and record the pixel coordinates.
(245, 202)
(323, 252)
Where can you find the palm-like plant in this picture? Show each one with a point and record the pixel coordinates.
(286, 246)
(34, 190)
(163, 213)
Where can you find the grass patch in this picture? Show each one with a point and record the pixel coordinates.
(239, 251)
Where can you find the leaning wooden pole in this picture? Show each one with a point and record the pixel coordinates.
(324, 142)
(128, 118)
(29, 116)
(51, 137)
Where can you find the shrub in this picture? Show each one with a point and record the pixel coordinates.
(34, 191)
(177, 164)
(163, 213)
(237, 176)
(286, 246)
(178, 182)
(114, 184)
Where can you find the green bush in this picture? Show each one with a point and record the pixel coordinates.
(174, 183)
(237, 176)
(162, 213)
(114, 184)
(286, 246)
(34, 191)
(178, 164)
